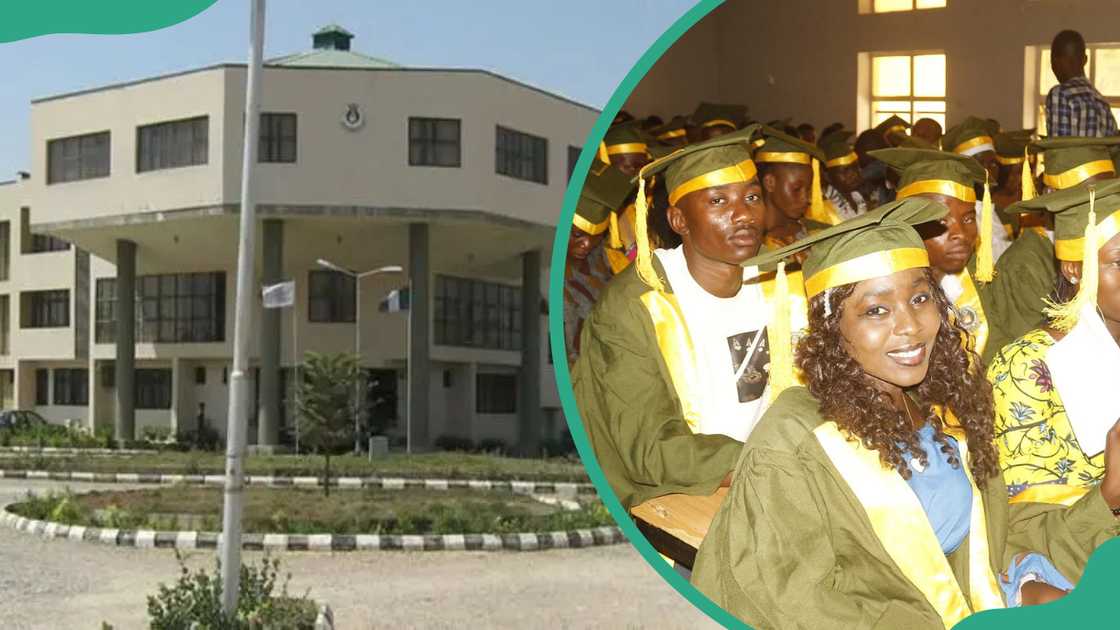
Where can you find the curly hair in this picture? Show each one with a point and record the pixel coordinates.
(955, 381)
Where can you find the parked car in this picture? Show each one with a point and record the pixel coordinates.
(21, 419)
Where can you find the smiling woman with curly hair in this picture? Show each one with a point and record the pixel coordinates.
(872, 498)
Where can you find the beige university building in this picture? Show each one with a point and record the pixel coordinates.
(456, 175)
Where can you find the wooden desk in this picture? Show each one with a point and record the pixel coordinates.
(675, 524)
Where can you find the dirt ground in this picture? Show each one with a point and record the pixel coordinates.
(65, 584)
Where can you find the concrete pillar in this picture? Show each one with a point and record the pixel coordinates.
(268, 420)
(125, 428)
(529, 379)
(420, 365)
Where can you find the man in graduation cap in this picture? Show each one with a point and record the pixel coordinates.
(1071, 160)
(843, 181)
(673, 370)
(994, 307)
(588, 268)
(873, 498)
(893, 129)
(673, 133)
(973, 138)
(626, 147)
(789, 170)
(713, 119)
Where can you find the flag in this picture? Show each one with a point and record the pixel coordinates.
(397, 300)
(279, 295)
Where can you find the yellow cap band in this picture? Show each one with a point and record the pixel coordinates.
(1008, 161)
(628, 147)
(719, 121)
(939, 187)
(843, 160)
(784, 157)
(672, 133)
(1078, 174)
(1072, 249)
(975, 145)
(591, 228)
(744, 171)
(873, 265)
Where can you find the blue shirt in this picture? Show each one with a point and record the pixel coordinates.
(943, 491)
(1076, 108)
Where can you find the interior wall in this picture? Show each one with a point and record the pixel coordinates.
(798, 58)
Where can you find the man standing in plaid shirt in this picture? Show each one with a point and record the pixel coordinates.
(1074, 107)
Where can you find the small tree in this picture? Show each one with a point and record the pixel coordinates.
(325, 404)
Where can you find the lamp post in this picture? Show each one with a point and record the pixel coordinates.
(357, 276)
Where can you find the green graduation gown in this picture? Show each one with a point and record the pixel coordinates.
(1013, 301)
(793, 547)
(631, 411)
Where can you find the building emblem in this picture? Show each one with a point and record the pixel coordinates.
(353, 119)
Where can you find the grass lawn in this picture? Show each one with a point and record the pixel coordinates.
(306, 511)
(442, 465)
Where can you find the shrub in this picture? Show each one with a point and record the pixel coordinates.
(454, 443)
(197, 598)
(496, 446)
(205, 438)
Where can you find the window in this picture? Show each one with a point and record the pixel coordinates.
(496, 393)
(573, 157)
(433, 142)
(78, 157)
(172, 144)
(45, 309)
(5, 324)
(332, 297)
(71, 386)
(42, 386)
(200, 375)
(522, 156)
(45, 243)
(170, 308)
(1102, 69)
(909, 86)
(153, 389)
(5, 249)
(477, 314)
(278, 138)
(891, 6)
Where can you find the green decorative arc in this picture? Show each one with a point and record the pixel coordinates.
(26, 18)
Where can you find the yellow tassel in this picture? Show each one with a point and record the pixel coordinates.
(780, 337)
(641, 234)
(985, 266)
(616, 236)
(1027, 187)
(816, 198)
(1065, 316)
(603, 155)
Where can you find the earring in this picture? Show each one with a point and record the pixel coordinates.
(1074, 280)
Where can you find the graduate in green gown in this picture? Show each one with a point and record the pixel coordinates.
(789, 170)
(873, 497)
(1071, 160)
(716, 119)
(997, 303)
(672, 373)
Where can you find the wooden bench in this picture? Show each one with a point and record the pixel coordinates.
(675, 524)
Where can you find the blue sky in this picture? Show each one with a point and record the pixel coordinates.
(578, 48)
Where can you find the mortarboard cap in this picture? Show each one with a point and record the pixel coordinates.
(1071, 160)
(971, 136)
(604, 192)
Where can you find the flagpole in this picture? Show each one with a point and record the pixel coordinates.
(408, 376)
(295, 365)
(238, 390)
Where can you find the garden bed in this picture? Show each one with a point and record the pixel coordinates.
(445, 465)
(300, 511)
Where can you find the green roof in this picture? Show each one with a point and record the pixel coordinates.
(333, 28)
(325, 58)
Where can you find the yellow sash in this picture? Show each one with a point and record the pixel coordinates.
(1057, 494)
(676, 348)
(971, 311)
(901, 525)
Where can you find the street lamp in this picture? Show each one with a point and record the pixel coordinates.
(357, 276)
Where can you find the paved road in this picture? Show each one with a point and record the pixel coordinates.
(65, 584)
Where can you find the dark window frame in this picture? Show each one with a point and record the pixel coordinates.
(158, 145)
(495, 393)
(516, 155)
(424, 142)
(327, 301)
(170, 308)
(80, 157)
(71, 387)
(46, 309)
(153, 388)
(42, 387)
(477, 314)
(45, 243)
(573, 159)
(275, 144)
